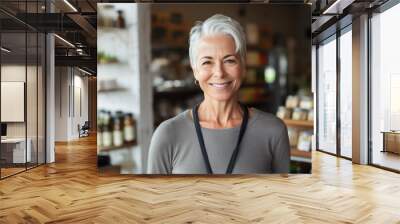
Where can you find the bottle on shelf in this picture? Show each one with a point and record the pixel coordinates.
(118, 138)
(107, 131)
(121, 20)
(100, 131)
(129, 128)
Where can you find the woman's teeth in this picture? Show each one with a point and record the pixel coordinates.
(220, 85)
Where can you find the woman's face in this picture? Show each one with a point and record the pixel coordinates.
(218, 68)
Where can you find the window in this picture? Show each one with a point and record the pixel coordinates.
(385, 87)
(327, 96)
(22, 77)
(346, 93)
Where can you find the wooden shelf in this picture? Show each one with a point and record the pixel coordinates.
(116, 63)
(111, 148)
(112, 90)
(111, 29)
(299, 153)
(298, 123)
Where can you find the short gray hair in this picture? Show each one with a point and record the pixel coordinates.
(217, 24)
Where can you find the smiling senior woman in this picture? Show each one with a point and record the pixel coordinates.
(220, 135)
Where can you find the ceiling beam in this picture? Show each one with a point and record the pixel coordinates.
(84, 24)
(82, 61)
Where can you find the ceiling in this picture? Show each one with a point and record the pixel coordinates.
(76, 22)
(76, 25)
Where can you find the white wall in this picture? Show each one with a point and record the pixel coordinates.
(69, 81)
(33, 126)
(61, 103)
(12, 73)
(79, 117)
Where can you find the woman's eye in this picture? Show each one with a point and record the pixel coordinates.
(230, 61)
(206, 63)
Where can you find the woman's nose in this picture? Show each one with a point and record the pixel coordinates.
(219, 70)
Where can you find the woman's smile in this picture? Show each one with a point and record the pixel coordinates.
(221, 85)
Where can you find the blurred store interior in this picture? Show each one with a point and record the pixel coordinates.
(278, 70)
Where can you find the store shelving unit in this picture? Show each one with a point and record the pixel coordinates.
(296, 154)
(123, 53)
(299, 123)
(117, 89)
(124, 146)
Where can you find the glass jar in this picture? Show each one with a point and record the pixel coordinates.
(107, 130)
(118, 138)
(299, 114)
(129, 128)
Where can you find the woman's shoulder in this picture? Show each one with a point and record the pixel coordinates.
(174, 124)
(265, 118)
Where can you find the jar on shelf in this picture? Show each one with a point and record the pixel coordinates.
(99, 132)
(292, 101)
(304, 142)
(310, 116)
(306, 103)
(118, 138)
(293, 135)
(120, 20)
(283, 113)
(107, 130)
(129, 128)
(299, 114)
(109, 15)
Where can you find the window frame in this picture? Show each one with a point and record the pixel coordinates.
(379, 10)
(335, 36)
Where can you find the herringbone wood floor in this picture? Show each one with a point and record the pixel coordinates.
(71, 191)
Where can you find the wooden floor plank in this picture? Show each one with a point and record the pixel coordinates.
(72, 191)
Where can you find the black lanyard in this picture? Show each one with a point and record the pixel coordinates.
(203, 147)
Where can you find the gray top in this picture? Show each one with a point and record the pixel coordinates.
(175, 149)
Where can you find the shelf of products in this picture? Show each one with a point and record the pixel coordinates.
(111, 90)
(115, 130)
(299, 123)
(104, 58)
(299, 153)
(109, 85)
(111, 148)
(297, 114)
(111, 18)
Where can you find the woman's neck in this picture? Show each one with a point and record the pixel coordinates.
(220, 114)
